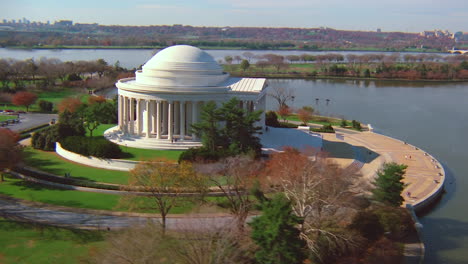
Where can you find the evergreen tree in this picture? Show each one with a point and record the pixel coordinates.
(389, 185)
(208, 128)
(276, 234)
(239, 132)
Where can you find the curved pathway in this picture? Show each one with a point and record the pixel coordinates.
(96, 219)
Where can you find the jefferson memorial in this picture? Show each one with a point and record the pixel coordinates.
(158, 106)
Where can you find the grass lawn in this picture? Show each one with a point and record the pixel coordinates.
(51, 96)
(40, 193)
(137, 153)
(320, 120)
(50, 162)
(28, 243)
(7, 117)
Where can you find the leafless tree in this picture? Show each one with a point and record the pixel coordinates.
(282, 95)
(320, 192)
(235, 177)
(248, 55)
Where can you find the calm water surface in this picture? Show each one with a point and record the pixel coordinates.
(133, 58)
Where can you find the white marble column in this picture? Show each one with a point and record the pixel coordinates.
(194, 117)
(182, 120)
(158, 120)
(119, 112)
(148, 119)
(164, 116)
(139, 117)
(170, 125)
(132, 116)
(176, 117)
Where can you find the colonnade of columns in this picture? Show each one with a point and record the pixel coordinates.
(170, 120)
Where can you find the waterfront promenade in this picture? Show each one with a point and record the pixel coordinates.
(424, 176)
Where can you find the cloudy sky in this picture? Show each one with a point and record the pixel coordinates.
(389, 15)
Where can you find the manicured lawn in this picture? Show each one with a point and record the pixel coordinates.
(27, 243)
(50, 162)
(148, 154)
(40, 193)
(317, 120)
(7, 117)
(51, 96)
(99, 201)
(99, 131)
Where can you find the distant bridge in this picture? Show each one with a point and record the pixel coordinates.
(456, 51)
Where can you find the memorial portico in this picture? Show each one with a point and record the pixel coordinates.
(157, 108)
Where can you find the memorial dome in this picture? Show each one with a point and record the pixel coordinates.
(181, 66)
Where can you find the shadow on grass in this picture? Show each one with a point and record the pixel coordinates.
(53, 233)
(34, 159)
(25, 185)
(127, 155)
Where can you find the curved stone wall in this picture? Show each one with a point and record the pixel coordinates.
(109, 164)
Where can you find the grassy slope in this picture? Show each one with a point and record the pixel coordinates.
(98, 201)
(7, 117)
(50, 162)
(26, 243)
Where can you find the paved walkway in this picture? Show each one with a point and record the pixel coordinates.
(98, 219)
(424, 175)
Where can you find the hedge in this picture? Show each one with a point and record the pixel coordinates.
(97, 147)
(324, 129)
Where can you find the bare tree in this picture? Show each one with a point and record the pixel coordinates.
(235, 177)
(248, 55)
(282, 95)
(320, 192)
(167, 184)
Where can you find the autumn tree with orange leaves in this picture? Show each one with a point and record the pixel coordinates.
(10, 150)
(318, 189)
(284, 112)
(69, 104)
(24, 99)
(305, 114)
(167, 185)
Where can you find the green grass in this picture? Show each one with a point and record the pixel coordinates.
(6, 117)
(51, 96)
(99, 201)
(148, 154)
(320, 120)
(28, 243)
(52, 163)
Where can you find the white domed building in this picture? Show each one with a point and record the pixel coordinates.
(157, 107)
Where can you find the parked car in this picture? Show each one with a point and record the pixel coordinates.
(9, 111)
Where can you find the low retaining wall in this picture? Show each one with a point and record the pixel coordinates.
(109, 164)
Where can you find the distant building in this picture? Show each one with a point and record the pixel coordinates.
(64, 23)
(379, 30)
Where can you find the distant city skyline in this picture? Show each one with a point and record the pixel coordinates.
(366, 15)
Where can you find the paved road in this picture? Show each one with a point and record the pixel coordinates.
(47, 214)
(32, 120)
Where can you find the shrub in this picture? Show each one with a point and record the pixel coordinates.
(45, 106)
(324, 129)
(356, 125)
(271, 119)
(395, 220)
(96, 147)
(199, 154)
(367, 223)
(46, 138)
(287, 125)
(343, 123)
